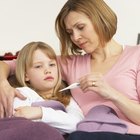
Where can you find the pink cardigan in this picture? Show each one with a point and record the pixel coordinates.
(124, 76)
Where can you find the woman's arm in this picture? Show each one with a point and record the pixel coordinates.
(7, 93)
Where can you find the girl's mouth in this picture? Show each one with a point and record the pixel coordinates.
(49, 78)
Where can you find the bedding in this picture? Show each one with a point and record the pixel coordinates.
(18, 128)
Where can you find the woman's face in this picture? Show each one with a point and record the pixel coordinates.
(43, 75)
(81, 31)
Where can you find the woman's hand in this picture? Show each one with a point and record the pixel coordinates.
(28, 112)
(7, 94)
(95, 82)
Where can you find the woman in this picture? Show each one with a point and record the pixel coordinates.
(108, 72)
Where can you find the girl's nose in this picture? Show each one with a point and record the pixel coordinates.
(47, 71)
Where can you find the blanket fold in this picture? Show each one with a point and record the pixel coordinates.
(56, 105)
(102, 118)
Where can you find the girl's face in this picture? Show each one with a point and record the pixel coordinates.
(81, 31)
(43, 74)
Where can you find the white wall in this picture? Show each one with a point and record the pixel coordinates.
(23, 21)
(128, 13)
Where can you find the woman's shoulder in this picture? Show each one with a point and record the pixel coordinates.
(73, 58)
(130, 48)
(132, 52)
(74, 66)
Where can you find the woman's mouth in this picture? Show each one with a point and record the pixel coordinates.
(82, 45)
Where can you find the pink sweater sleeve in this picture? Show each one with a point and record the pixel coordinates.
(12, 66)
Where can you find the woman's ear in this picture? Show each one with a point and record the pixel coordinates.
(26, 77)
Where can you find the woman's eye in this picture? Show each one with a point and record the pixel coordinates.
(69, 33)
(81, 27)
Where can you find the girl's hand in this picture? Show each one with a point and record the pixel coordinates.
(28, 112)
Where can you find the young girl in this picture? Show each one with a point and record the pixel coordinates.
(39, 79)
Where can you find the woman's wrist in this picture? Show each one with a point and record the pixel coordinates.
(4, 83)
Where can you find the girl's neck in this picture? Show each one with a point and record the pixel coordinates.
(46, 94)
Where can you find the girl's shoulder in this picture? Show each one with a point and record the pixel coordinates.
(30, 93)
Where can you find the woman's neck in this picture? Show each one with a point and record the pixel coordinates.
(112, 48)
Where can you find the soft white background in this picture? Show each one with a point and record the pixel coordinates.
(22, 21)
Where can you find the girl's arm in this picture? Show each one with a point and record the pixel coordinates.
(64, 121)
(28, 112)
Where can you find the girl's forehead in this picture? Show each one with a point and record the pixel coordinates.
(41, 56)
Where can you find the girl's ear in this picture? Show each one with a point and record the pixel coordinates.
(26, 77)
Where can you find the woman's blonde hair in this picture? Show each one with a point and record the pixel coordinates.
(103, 18)
(25, 61)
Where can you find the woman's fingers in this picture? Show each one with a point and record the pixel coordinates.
(1, 110)
(90, 81)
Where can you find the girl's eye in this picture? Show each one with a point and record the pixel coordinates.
(38, 66)
(52, 64)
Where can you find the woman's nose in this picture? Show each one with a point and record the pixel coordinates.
(76, 36)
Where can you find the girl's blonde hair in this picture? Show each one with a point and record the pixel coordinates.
(25, 60)
(103, 18)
